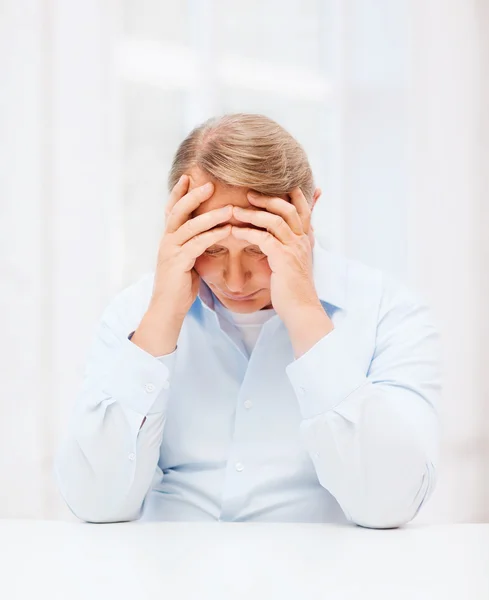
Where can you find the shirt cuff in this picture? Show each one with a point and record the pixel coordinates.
(325, 375)
(139, 380)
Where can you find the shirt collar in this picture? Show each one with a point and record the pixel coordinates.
(330, 277)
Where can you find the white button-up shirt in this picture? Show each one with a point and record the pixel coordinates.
(348, 432)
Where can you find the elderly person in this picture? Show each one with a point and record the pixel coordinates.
(254, 375)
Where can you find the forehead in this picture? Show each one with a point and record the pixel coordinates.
(222, 196)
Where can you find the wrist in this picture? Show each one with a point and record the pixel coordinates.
(157, 332)
(300, 313)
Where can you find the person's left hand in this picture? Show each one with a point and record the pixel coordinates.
(285, 238)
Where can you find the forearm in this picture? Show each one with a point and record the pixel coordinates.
(158, 331)
(106, 462)
(372, 431)
(379, 467)
(104, 468)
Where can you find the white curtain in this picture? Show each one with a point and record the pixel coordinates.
(95, 97)
(445, 237)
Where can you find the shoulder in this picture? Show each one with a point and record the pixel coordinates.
(364, 291)
(385, 288)
(128, 305)
(396, 304)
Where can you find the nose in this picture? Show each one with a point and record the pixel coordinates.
(235, 276)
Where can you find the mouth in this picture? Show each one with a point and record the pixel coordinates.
(239, 298)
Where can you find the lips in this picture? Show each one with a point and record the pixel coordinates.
(231, 297)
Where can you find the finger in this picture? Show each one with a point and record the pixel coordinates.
(184, 207)
(202, 223)
(179, 190)
(302, 207)
(266, 220)
(281, 207)
(199, 243)
(267, 242)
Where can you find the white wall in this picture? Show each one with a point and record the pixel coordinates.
(444, 235)
(483, 162)
(60, 260)
(26, 366)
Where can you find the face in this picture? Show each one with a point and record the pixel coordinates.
(234, 267)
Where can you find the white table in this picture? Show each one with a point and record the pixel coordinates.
(234, 561)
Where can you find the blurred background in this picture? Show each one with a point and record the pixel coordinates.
(386, 96)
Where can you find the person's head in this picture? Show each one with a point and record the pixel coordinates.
(240, 153)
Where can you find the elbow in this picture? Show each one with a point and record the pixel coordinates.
(384, 516)
(95, 505)
(93, 510)
(96, 509)
(384, 521)
(103, 516)
(392, 510)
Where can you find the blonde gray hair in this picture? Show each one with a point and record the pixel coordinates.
(245, 150)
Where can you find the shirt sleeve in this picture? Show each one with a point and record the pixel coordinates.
(374, 437)
(106, 462)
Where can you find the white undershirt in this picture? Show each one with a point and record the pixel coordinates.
(248, 324)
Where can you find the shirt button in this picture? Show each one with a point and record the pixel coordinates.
(149, 387)
(131, 456)
(248, 404)
(302, 390)
(239, 466)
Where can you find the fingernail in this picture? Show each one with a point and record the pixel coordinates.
(207, 187)
(181, 178)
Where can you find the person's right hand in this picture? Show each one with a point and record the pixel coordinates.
(176, 283)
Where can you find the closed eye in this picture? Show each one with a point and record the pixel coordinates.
(215, 251)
